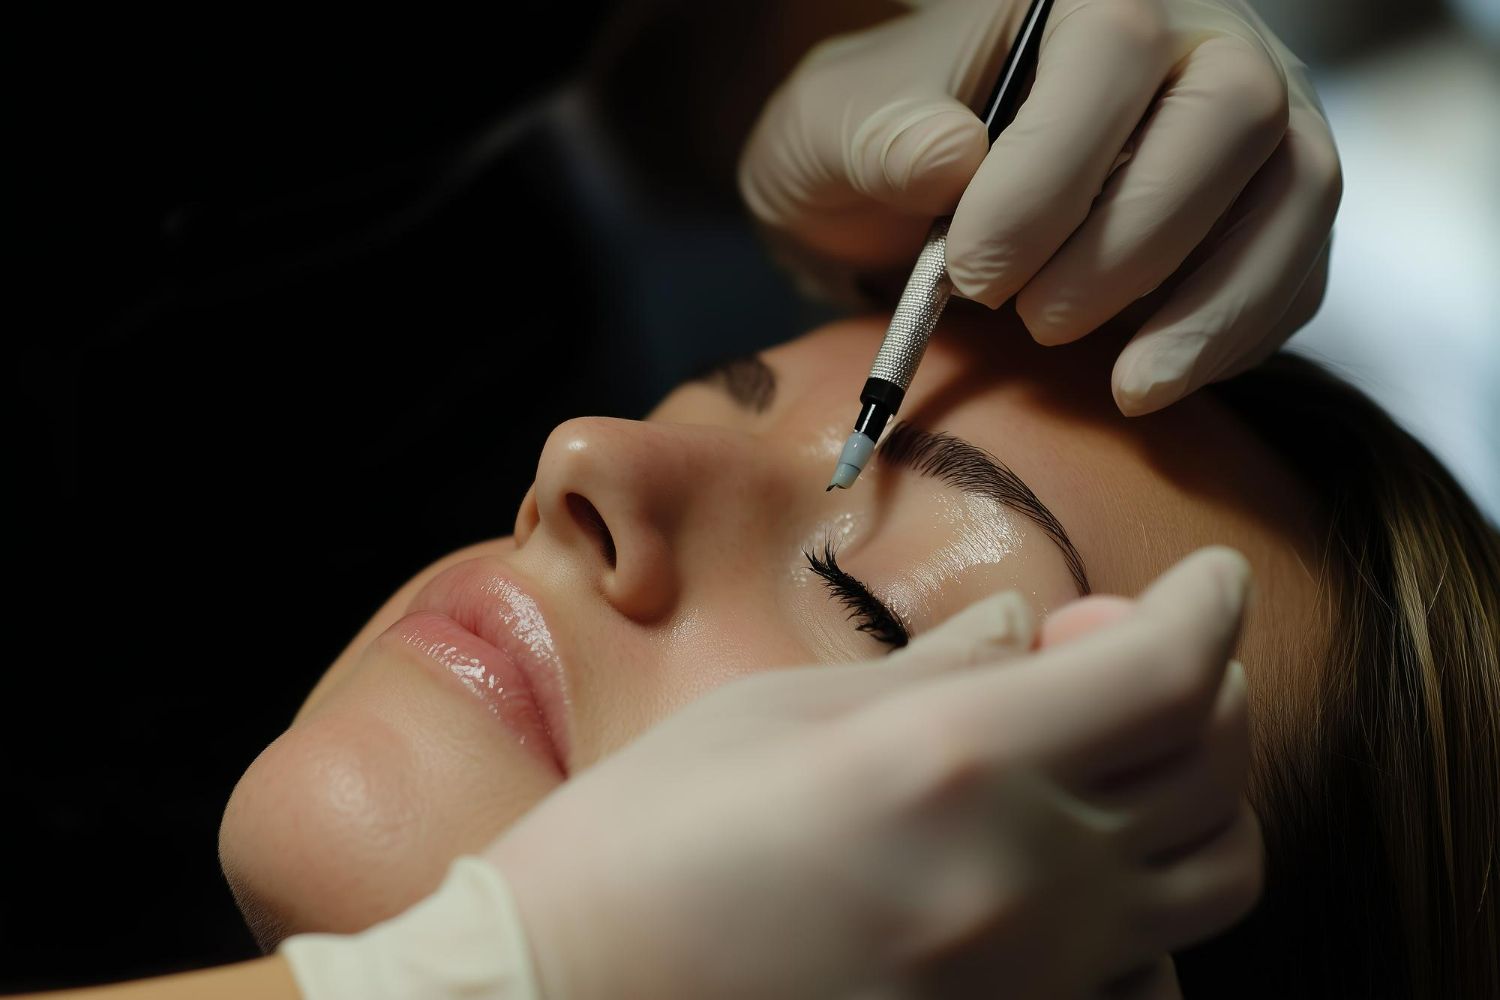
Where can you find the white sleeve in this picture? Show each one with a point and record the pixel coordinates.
(463, 941)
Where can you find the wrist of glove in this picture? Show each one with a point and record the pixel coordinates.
(464, 941)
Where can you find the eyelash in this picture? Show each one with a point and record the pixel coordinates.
(875, 619)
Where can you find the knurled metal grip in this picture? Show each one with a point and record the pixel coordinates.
(917, 313)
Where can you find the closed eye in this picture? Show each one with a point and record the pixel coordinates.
(871, 615)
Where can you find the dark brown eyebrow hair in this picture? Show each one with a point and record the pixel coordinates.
(973, 470)
(749, 381)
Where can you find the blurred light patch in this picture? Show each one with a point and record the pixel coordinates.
(1412, 313)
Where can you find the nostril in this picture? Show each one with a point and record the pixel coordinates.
(589, 518)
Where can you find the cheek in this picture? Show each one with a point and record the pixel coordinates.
(346, 820)
(706, 647)
(712, 648)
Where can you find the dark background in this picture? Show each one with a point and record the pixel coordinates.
(297, 306)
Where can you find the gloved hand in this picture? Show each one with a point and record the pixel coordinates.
(1161, 138)
(925, 825)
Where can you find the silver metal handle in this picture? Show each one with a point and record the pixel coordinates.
(918, 312)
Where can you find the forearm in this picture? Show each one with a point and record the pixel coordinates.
(262, 979)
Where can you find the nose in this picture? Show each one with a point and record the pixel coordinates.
(611, 495)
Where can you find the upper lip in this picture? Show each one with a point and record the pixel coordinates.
(484, 596)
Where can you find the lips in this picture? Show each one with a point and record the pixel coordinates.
(477, 623)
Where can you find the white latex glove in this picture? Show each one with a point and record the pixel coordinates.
(463, 942)
(1158, 134)
(910, 828)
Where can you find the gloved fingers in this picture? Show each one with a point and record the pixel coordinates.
(1300, 90)
(1303, 308)
(1123, 695)
(1163, 667)
(989, 632)
(1220, 313)
(1178, 645)
(904, 136)
(915, 154)
(1212, 128)
(1155, 981)
(1207, 890)
(1099, 67)
(1080, 617)
(1175, 804)
(870, 124)
(1309, 297)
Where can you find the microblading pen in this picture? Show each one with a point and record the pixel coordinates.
(928, 288)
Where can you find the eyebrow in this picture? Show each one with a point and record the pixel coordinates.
(749, 381)
(973, 470)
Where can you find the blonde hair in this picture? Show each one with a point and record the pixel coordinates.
(1380, 804)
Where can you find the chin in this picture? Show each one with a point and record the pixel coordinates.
(320, 835)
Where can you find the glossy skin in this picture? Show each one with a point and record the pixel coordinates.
(391, 768)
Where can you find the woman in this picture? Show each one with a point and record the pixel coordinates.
(652, 562)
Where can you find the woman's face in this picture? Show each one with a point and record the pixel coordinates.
(653, 561)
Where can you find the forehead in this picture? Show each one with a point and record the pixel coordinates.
(1135, 494)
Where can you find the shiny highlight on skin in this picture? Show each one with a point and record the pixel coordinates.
(981, 532)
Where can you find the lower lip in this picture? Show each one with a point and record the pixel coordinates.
(487, 673)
